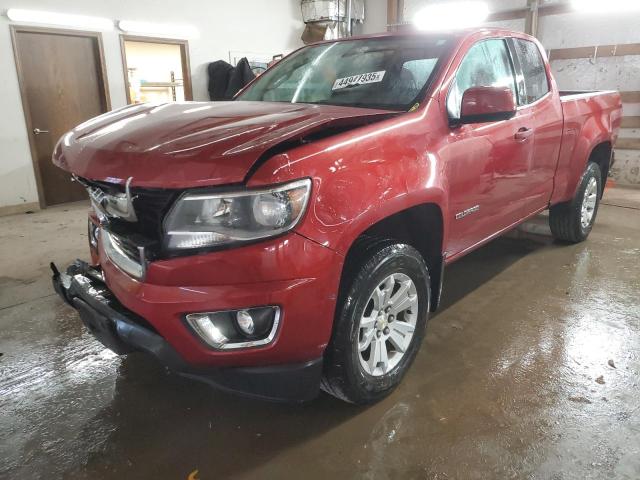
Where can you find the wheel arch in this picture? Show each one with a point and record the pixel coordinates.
(601, 154)
(576, 151)
(421, 226)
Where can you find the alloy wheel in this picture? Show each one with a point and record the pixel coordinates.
(589, 201)
(387, 324)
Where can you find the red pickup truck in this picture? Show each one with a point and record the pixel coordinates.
(295, 238)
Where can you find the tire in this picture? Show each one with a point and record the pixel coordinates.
(359, 375)
(567, 220)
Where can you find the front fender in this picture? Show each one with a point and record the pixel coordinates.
(360, 181)
(338, 228)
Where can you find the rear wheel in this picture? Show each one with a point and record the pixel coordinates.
(380, 324)
(572, 221)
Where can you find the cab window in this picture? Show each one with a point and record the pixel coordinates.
(486, 64)
(536, 84)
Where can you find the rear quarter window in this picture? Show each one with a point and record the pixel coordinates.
(533, 70)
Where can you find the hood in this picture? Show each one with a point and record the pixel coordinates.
(190, 144)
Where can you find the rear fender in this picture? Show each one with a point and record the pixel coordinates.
(583, 132)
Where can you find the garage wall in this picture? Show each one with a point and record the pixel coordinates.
(620, 73)
(375, 16)
(258, 26)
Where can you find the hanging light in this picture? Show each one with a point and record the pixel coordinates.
(609, 6)
(158, 29)
(60, 19)
(451, 15)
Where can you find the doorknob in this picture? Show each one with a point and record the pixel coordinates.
(523, 134)
(37, 131)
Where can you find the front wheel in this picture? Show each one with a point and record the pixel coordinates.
(572, 221)
(380, 324)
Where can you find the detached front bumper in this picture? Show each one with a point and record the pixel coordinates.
(123, 331)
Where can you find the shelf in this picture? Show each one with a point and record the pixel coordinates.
(160, 84)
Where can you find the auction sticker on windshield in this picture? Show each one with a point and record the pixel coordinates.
(361, 79)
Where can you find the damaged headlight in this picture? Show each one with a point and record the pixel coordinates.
(209, 220)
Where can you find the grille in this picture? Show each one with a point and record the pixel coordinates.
(151, 205)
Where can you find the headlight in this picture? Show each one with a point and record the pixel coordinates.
(208, 220)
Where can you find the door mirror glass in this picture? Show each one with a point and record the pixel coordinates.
(487, 104)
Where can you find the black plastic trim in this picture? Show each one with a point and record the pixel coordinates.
(486, 117)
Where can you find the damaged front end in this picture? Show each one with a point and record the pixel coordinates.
(122, 331)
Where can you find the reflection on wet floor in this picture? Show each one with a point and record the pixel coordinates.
(530, 370)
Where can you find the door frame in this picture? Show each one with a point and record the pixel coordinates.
(184, 53)
(102, 75)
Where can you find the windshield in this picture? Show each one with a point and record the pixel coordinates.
(390, 73)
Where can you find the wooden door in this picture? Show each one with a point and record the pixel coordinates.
(62, 82)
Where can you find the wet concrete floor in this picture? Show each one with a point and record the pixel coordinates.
(530, 370)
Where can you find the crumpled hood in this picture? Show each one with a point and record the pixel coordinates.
(189, 144)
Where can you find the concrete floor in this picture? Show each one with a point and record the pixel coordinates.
(530, 370)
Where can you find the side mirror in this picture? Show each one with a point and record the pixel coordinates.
(487, 104)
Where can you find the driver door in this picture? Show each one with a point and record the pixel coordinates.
(486, 162)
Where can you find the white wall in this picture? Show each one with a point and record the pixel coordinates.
(375, 16)
(260, 26)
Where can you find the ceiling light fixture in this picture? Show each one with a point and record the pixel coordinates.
(451, 16)
(60, 19)
(609, 6)
(158, 29)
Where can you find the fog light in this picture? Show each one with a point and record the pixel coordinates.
(245, 322)
(250, 327)
(204, 326)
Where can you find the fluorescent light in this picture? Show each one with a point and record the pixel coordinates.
(158, 29)
(449, 16)
(61, 19)
(608, 6)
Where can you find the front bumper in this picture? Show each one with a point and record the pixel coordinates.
(123, 331)
(292, 272)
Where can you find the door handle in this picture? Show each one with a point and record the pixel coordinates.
(523, 134)
(37, 131)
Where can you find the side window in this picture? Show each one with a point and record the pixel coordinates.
(535, 76)
(486, 64)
